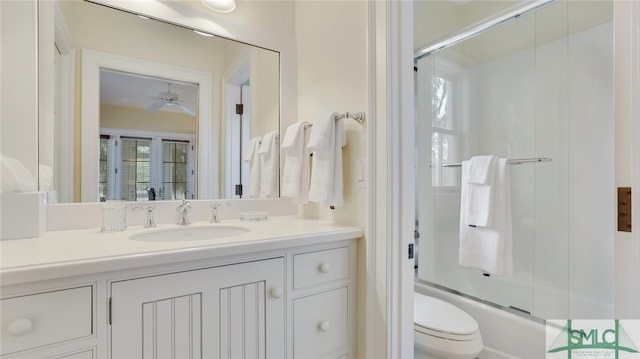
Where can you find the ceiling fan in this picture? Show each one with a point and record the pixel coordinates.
(167, 99)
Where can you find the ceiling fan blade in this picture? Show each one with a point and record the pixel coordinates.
(138, 99)
(154, 107)
(186, 109)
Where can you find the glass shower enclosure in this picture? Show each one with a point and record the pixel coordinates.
(538, 87)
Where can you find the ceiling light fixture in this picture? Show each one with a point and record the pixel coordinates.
(220, 5)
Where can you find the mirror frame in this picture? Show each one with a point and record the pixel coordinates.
(92, 62)
(203, 20)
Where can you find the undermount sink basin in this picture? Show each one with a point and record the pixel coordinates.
(188, 233)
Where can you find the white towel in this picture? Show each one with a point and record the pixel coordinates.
(482, 169)
(481, 183)
(268, 153)
(326, 141)
(488, 248)
(251, 156)
(295, 173)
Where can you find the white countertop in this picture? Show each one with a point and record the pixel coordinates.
(59, 254)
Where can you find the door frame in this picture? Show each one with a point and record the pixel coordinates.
(390, 226)
(207, 157)
(236, 75)
(627, 152)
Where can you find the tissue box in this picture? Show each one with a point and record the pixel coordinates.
(22, 215)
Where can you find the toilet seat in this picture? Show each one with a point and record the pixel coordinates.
(440, 319)
(444, 335)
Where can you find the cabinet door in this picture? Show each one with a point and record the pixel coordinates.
(321, 324)
(234, 311)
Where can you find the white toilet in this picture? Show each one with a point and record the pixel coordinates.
(443, 331)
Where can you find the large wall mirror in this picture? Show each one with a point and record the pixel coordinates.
(149, 110)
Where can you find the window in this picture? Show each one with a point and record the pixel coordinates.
(445, 131)
(103, 188)
(135, 168)
(175, 169)
(146, 166)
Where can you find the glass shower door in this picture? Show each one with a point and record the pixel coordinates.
(539, 86)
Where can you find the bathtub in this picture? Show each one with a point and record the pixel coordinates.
(505, 334)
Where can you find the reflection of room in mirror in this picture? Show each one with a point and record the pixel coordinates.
(148, 128)
(165, 71)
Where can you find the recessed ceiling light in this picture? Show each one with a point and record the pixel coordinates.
(220, 5)
(143, 17)
(202, 33)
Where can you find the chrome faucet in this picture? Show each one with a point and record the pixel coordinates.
(184, 209)
(150, 222)
(215, 218)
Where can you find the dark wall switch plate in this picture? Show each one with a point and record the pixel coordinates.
(624, 209)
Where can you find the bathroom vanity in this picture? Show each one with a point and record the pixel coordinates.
(281, 288)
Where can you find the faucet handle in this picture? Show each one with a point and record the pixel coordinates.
(185, 205)
(183, 209)
(214, 211)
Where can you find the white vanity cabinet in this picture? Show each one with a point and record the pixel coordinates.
(287, 290)
(230, 311)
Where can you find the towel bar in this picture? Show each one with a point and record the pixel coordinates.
(356, 116)
(512, 161)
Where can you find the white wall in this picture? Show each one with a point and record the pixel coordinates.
(265, 92)
(333, 77)
(112, 116)
(18, 92)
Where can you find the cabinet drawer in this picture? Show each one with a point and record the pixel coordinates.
(36, 320)
(320, 324)
(320, 267)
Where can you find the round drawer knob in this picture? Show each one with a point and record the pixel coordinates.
(20, 327)
(324, 326)
(276, 292)
(324, 267)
